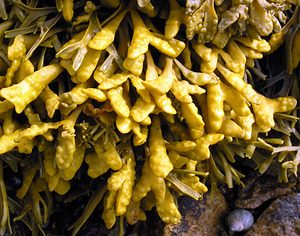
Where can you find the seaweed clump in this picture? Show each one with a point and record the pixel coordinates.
(144, 114)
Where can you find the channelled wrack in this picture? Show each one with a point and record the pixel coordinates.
(105, 84)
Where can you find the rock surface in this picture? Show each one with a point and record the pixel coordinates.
(261, 189)
(282, 217)
(202, 218)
